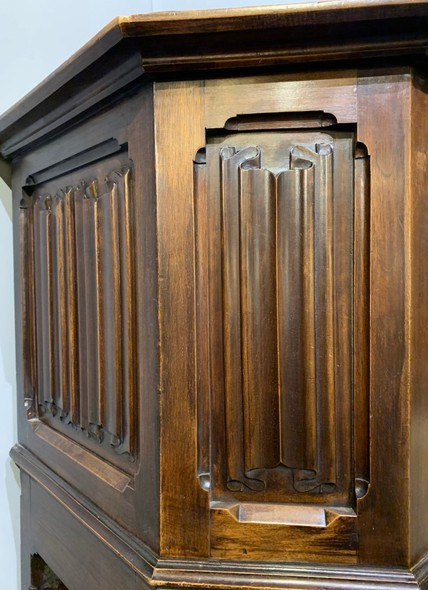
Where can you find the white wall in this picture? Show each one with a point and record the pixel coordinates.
(9, 477)
(35, 38)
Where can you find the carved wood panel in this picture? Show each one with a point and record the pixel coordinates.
(275, 227)
(77, 238)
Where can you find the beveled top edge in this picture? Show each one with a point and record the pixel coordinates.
(107, 38)
(249, 18)
(280, 11)
(151, 35)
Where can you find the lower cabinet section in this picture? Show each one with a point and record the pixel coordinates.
(78, 544)
(69, 545)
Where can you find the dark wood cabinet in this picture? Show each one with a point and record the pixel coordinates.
(221, 228)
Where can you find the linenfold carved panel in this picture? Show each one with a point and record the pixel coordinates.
(279, 208)
(79, 323)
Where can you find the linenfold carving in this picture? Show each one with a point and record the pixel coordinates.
(79, 325)
(286, 223)
(279, 322)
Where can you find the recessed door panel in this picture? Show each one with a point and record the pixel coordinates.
(276, 385)
(78, 331)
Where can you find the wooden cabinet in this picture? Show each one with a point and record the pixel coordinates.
(221, 229)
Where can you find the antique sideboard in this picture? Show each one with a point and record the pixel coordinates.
(221, 238)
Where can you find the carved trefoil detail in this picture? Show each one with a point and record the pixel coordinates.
(79, 334)
(281, 248)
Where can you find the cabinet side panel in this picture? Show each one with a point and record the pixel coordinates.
(87, 322)
(383, 126)
(179, 134)
(419, 348)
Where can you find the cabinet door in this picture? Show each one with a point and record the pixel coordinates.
(278, 258)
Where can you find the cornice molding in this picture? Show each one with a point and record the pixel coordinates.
(169, 43)
(182, 42)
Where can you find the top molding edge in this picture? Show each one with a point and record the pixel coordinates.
(168, 42)
(258, 17)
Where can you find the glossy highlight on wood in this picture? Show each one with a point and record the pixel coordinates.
(220, 234)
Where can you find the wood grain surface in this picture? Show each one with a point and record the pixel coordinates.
(220, 258)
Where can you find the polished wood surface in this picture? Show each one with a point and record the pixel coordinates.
(221, 302)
